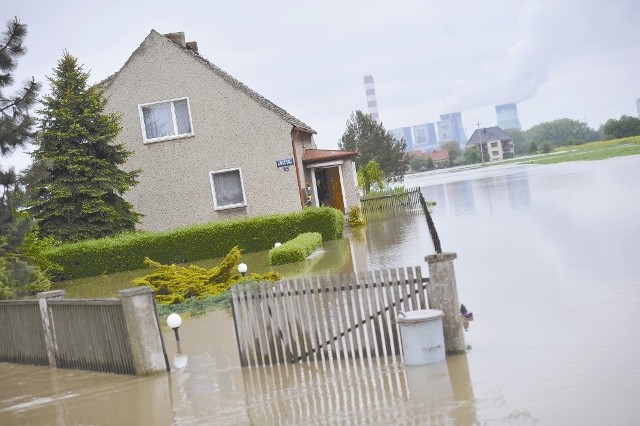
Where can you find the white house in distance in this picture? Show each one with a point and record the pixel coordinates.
(494, 143)
(209, 147)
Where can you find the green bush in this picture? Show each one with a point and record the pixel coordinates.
(295, 250)
(127, 252)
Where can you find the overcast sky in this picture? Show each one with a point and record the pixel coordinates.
(554, 58)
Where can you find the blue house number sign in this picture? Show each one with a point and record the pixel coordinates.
(285, 163)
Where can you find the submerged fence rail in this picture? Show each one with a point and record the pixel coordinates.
(409, 199)
(330, 317)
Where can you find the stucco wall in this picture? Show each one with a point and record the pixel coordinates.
(231, 130)
(350, 188)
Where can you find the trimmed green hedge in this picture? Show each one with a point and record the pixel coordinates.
(295, 250)
(127, 252)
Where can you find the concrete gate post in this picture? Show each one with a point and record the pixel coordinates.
(144, 331)
(444, 296)
(47, 323)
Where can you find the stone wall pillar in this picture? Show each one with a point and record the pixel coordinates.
(47, 323)
(443, 294)
(144, 331)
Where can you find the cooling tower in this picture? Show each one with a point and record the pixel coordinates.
(508, 116)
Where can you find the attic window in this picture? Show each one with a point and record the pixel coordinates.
(165, 120)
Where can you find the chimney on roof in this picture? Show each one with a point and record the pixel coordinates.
(193, 46)
(177, 38)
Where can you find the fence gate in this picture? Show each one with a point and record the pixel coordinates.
(407, 200)
(328, 317)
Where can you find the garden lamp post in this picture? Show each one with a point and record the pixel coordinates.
(242, 268)
(174, 321)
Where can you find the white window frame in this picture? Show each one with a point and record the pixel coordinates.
(213, 189)
(175, 123)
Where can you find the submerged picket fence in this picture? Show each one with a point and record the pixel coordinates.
(409, 199)
(343, 316)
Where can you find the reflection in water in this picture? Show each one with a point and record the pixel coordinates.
(462, 197)
(346, 392)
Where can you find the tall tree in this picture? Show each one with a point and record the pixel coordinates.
(16, 125)
(374, 142)
(82, 196)
(17, 276)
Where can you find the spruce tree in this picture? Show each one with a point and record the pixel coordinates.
(82, 196)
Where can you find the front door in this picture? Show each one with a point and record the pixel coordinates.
(328, 186)
(334, 185)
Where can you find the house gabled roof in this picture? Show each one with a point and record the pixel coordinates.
(296, 123)
(310, 156)
(488, 133)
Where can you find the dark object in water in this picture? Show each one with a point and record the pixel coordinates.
(468, 315)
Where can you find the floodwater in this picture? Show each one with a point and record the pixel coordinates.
(547, 261)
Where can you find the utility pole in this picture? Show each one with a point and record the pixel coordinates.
(480, 137)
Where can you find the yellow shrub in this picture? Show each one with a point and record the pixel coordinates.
(174, 284)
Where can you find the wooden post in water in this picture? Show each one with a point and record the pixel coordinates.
(444, 296)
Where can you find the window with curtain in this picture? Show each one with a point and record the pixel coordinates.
(228, 189)
(166, 120)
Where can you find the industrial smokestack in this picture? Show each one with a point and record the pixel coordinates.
(372, 103)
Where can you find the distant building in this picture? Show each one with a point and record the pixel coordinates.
(424, 137)
(439, 157)
(372, 103)
(404, 132)
(638, 106)
(450, 128)
(507, 115)
(494, 143)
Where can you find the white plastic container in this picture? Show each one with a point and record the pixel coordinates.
(422, 336)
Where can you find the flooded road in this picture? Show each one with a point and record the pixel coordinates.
(547, 261)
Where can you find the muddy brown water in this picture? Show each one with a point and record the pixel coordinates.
(547, 261)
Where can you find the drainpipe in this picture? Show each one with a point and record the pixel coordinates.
(295, 160)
